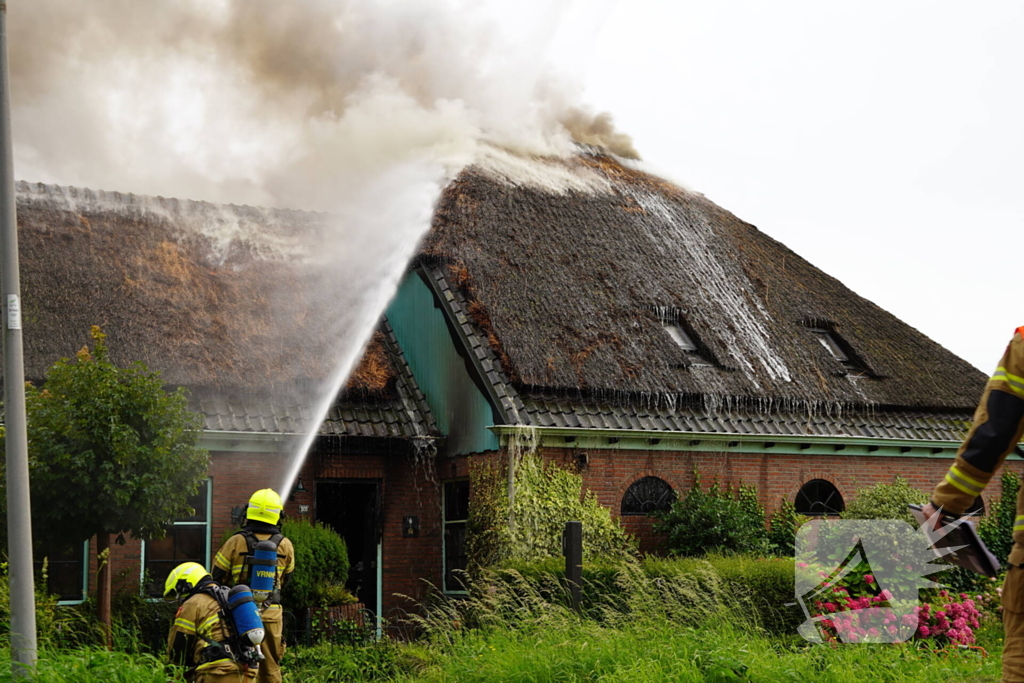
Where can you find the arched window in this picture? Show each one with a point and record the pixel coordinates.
(646, 496)
(819, 497)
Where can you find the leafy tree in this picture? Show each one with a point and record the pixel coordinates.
(110, 451)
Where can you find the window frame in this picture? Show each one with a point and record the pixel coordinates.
(622, 503)
(208, 524)
(839, 349)
(683, 336)
(445, 522)
(84, 581)
(835, 488)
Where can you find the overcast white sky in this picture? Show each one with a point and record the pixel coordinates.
(881, 141)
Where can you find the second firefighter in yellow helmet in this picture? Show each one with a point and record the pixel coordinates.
(235, 564)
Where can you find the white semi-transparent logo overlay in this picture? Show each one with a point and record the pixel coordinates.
(858, 581)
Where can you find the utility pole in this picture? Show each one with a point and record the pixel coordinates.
(19, 510)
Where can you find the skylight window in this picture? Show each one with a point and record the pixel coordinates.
(680, 337)
(684, 341)
(839, 350)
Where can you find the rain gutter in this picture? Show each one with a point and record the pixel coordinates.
(781, 444)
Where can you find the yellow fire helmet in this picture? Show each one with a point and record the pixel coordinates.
(183, 579)
(264, 506)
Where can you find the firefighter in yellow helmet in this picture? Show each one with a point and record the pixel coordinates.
(234, 564)
(996, 430)
(199, 635)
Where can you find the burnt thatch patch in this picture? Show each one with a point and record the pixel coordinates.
(218, 298)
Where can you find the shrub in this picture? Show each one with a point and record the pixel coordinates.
(717, 520)
(996, 528)
(546, 497)
(321, 564)
(766, 585)
(782, 534)
(885, 501)
(756, 589)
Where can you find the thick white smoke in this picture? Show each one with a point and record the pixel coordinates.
(253, 101)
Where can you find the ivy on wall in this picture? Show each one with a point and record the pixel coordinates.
(545, 497)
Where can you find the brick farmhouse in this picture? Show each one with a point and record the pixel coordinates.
(643, 332)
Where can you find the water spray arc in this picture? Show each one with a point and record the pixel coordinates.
(388, 238)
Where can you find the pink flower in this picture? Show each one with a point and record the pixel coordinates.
(886, 594)
(924, 631)
(892, 629)
(802, 565)
(868, 578)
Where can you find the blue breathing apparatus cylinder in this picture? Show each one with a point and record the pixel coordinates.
(245, 615)
(264, 570)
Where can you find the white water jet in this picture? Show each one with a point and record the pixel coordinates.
(406, 197)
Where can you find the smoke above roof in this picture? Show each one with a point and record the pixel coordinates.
(300, 104)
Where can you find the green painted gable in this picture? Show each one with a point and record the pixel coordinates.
(461, 409)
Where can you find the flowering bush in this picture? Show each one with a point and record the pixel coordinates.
(950, 619)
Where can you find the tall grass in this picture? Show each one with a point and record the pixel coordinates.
(693, 625)
(656, 623)
(94, 666)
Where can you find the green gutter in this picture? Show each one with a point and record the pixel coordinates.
(781, 444)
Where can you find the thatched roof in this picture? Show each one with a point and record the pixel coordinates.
(572, 268)
(220, 299)
(565, 272)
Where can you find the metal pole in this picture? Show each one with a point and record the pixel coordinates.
(19, 511)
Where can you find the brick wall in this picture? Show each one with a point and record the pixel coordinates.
(777, 477)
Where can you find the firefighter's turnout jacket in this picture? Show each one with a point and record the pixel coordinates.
(229, 566)
(997, 427)
(196, 625)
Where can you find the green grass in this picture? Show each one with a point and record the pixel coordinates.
(580, 652)
(713, 652)
(93, 666)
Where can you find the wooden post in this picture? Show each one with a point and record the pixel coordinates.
(572, 548)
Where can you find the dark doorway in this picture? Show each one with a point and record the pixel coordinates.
(352, 508)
